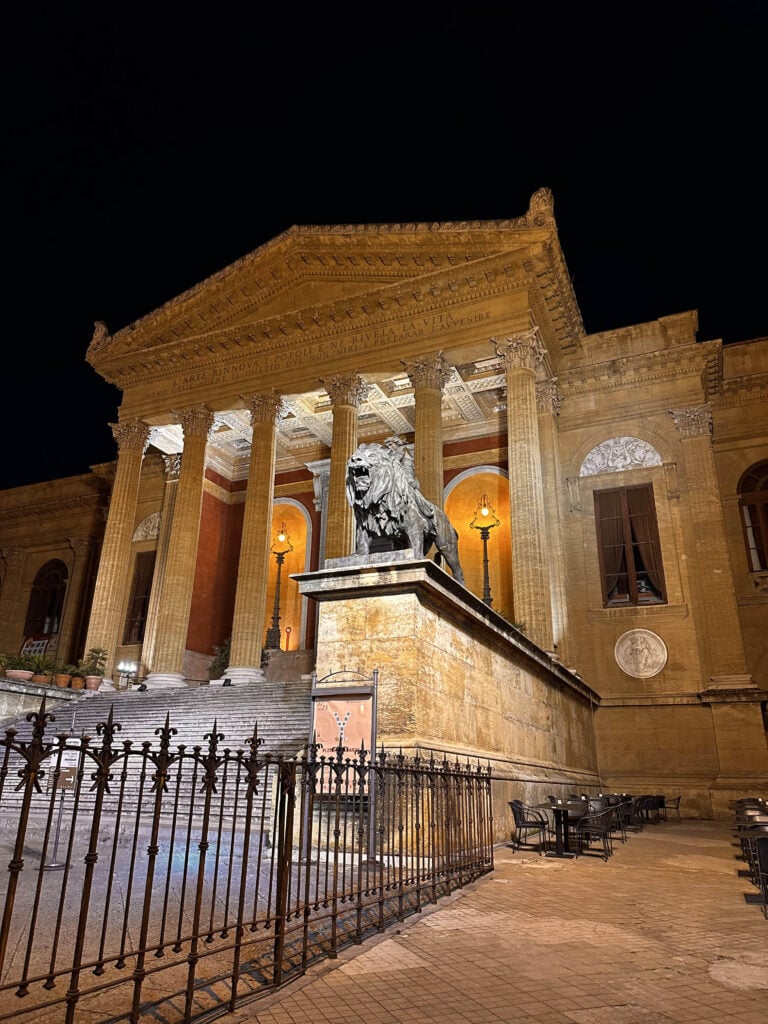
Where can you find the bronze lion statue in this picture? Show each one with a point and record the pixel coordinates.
(384, 494)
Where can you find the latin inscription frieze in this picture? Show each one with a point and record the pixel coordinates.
(277, 360)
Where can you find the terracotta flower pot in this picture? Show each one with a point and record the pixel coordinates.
(62, 679)
(21, 675)
(92, 682)
(77, 682)
(40, 677)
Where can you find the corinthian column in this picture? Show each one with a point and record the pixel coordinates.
(721, 635)
(346, 391)
(106, 609)
(429, 375)
(172, 470)
(530, 568)
(253, 568)
(173, 614)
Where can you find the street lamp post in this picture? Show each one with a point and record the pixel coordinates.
(485, 520)
(281, 546)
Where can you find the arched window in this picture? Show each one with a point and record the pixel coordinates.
(46, 600)
(753, 501)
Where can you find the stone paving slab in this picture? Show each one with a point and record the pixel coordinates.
(665, 931)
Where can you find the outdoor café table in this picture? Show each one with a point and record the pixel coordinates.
(562, 846)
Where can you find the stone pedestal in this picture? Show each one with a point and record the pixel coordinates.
(455, 678)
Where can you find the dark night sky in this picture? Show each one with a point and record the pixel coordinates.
(145, 155)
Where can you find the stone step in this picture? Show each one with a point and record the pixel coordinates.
(280, 710)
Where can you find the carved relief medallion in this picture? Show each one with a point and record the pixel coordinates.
(640, 653)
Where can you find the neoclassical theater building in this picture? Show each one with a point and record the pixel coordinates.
(612, 628)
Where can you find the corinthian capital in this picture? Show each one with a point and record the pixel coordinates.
(80, 546)
(266, 407)
(196, 421)
(693, 420)
(131, 435)
(428, 371)
(522, 351)
(346, 389)
(549, 398)
(172, 464)
(13, 557)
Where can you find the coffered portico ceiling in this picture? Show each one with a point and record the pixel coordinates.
(364, 299)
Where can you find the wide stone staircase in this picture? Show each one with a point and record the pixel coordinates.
(281, 711)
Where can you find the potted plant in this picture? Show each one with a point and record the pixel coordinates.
(77, 673)
(62, 675)
(17, 666)
(94, 663)
(42, 667)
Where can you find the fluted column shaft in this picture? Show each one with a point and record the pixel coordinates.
(10, 598)
(253, 568)
(172, 470)
(532, 594)
(722, 630)
(173, 614)
(114, 564)
(428, 376)
(346, 392)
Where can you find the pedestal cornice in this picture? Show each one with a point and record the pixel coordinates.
(360, 575)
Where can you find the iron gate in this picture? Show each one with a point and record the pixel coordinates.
(179, 882)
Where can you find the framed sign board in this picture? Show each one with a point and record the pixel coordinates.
(344, 712)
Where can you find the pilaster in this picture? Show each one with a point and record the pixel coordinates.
(521, 354)
(722, 640)
(10, 596)
(83, 550)
(548, 402)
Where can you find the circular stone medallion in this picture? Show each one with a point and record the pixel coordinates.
(640, 653)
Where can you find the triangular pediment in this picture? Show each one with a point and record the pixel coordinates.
(316, 268)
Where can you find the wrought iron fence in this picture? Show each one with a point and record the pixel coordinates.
(176, 883)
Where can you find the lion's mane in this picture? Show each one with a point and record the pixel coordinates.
(381, 505)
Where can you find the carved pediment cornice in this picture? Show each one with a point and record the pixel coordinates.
(553, 300)
(360, 255)
(444, 291)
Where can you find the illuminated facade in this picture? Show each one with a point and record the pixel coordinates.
(628, 471)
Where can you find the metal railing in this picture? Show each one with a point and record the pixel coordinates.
(151, 881)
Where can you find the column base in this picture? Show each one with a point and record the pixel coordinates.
(164, 680)
(240, 675)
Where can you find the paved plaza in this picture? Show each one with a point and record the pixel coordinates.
(668, 930)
